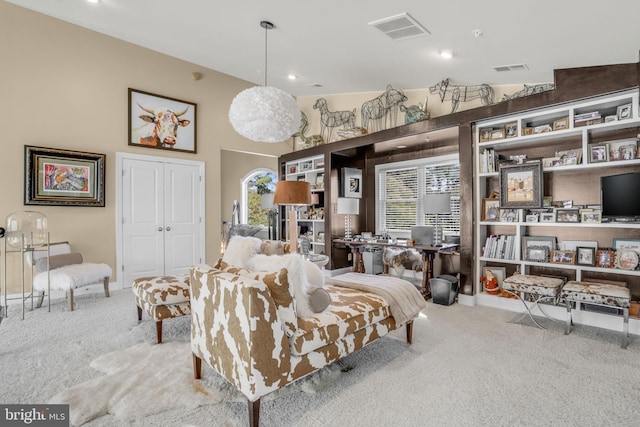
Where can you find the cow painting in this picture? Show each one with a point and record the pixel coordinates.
(165, 130)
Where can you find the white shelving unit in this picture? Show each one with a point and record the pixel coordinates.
(311, 218)
(515, 134)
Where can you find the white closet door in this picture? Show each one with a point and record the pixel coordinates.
(181, 218)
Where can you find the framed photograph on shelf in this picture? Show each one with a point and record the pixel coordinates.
(572, 245)
(56, 177)
(624, 112)
(627, 259)
(319, 181)
(537, 254)
(628, 152)
(306, 166)
(548, 217)
(563, 257)
(527, 131)
(605, 258)
(546, 241)
(351, 183)
(292, 168)
(592, 217)
(568, 215)
(598, 153)
(497, 134)
(161, 122)
(521, 185)
(485, 134)
(511, 130)
(561, 124)
(509, 215)
(633, 244)
(490, 210)
(585, 255)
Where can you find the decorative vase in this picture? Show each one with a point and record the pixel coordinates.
(26, 229)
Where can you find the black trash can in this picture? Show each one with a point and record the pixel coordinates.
(444, 289)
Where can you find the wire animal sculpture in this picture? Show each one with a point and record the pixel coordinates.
(332, 119)
(308, 141)
(458, 94)
(529, 90)
(383, 106)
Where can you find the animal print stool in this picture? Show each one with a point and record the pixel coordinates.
(598, 294)
(162, 297)
(542, 287)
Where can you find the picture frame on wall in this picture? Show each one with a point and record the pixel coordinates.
(351, 183)
(161, 122)
(56, 177)
(521, 185)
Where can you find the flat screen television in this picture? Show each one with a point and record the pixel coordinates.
(619, 196)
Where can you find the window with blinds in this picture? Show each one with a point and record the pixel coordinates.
(402, 185)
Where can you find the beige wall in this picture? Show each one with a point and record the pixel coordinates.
(65, 87)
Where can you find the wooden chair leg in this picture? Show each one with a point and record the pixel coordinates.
(139, 313)
(410, 332)
(159, 331)
(254, 413)
(197, 367)
(106, 287)
(71, 299)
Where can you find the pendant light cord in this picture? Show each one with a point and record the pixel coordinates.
(266, 31)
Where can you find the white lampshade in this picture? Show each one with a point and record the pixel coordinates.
(265, 114)
(348, 206)
(439, 203)
(266, 201)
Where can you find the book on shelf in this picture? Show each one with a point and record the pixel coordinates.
(500, 246)
(586, 116)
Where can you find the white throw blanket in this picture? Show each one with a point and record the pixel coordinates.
(404, 299)
(72, 276)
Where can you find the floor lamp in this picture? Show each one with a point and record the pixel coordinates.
(348, 206)
(266, 202)
(292, 193)
(438, 203)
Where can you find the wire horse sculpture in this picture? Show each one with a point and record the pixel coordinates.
(385, 105)
(457, 93)
(529, 90)
(332, 119)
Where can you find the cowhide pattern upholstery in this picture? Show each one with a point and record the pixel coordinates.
(237, 329)
(530, 284)
(597, 293)
(400, 259)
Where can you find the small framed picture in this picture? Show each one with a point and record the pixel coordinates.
(585, 255)
(511, 130)
(320, 237)
(527, 131)
(627, 259)
(561, 124)
(548, 217)
(591, 217)
(605, 258)
(624, 112)
(546, 201)
(598, 153)
(542, 129)
(627, 152)
(521, 185)
(532, 218)
(568, 215)
(292, 168)
(485, 134)
(563, 257)
(537, 254)
(306, 166)
(508, 215)
(490, 209)
(497, 134)
(548, 242)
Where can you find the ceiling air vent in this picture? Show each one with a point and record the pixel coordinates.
(513, 67)
(402, 26)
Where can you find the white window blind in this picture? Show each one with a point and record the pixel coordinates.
(400, 191)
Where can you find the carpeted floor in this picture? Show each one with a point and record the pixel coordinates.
(467, 366)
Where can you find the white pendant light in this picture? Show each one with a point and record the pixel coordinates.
(264, 113)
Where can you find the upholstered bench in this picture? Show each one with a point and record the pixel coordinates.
(162, 297)
(598, 294)
(542, 287)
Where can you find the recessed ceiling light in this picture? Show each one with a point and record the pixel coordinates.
(93, 1)
(401, 146)
(446, 54)
(292, 76)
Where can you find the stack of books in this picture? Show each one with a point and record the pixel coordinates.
(488, 161)
(586, 119)
(500, 247)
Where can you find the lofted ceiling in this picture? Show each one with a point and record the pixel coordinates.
(331, 47)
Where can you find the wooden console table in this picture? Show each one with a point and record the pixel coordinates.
(428, 255)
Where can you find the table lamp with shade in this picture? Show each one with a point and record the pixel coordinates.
(347, 207)
(266, 202)
(437, 203)
(292, 193)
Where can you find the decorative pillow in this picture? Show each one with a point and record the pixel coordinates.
(314, 274)
(272, 247)
(240, 249)
(319, 299)
(57, 261)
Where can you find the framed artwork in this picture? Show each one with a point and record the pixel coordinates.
(527, 131)
(563, 257)
(562, 123)
(490, 210)
(161, 122)
(598, 153)
(585, 255)
(572, 245)
(511, 129)
(627, 259)
(485, 134)
(532, 218)
(497, 134)
(624, 112)
(548, 217)
(538, 241)
(591, 217)
(628, 152)
(351, 183)
(320, 179)
(568, 215)
(521, 185)
(632, 244)
(306, 166)
(292, 168)
(55, 177)
(537, 254)
(508, 215)
(605, 258)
